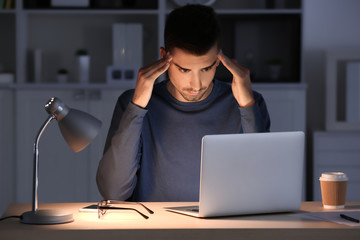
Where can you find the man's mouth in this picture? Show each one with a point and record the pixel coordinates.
(194, 93)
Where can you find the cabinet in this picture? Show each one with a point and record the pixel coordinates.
(7, 165)
(7, 41)
(286, 104)
(337, 151)
(64, 176)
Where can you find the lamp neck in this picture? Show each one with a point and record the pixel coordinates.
(36, 162)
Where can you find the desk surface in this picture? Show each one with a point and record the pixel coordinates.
(167, 225)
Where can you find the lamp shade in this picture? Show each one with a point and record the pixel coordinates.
(77, 127)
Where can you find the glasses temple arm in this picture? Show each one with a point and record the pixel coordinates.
(115, 202)
(119, 208)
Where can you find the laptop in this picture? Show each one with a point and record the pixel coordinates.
(253, 173)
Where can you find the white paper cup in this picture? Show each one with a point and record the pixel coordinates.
(333, 189)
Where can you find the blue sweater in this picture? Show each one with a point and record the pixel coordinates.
(153, 154)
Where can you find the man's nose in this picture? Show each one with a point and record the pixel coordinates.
(196, 81)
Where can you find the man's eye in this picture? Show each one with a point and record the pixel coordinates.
(183, 70)
(206, 69)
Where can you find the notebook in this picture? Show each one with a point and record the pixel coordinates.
(251, 173)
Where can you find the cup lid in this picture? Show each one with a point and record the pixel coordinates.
(333, 176)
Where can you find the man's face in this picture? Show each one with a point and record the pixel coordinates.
(190, 75)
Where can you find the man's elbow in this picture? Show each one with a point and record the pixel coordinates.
(111, 190)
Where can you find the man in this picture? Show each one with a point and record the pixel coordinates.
(152, 152)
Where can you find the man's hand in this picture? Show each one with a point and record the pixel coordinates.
(241, 84)
(146, 79)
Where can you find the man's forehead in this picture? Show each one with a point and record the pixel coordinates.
(190, 66)
(185, 60)
(214, 51)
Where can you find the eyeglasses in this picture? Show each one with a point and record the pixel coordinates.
(103, 206)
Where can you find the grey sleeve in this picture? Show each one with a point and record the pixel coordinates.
(116, 176)
(255, 118)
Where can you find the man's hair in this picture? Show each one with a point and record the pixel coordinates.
(192, 28)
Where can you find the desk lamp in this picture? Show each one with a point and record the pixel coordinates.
(78, 129)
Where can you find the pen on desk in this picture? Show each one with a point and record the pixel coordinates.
(349, 218)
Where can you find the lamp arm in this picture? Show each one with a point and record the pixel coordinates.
(36, 162)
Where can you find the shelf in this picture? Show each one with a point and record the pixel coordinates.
(250, 6)
(156, 12)
(276, 86)
(74, 31)
(7, 11)
(280, 86)
(273, 30)
(92, 11)
(95, 86)
(92, 5)
(257, 11)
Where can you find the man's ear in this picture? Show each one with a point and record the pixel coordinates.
(162, 52)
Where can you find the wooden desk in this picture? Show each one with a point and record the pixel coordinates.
(167, 225)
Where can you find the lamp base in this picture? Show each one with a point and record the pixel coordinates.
(47, 217)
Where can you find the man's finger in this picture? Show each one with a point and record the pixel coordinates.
(227, 62)
(233, 66)
(157, 69)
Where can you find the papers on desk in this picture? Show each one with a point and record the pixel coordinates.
(333, 216)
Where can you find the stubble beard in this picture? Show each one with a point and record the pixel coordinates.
(204, 92)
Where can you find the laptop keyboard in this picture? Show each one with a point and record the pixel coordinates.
(193, 209)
